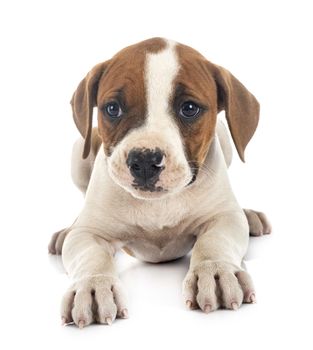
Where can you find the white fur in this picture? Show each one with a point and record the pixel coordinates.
(123, 220)
(160, 71)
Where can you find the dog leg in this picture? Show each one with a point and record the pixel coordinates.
(258, 223)
(96, 293)
(215, 278)
(81, 170)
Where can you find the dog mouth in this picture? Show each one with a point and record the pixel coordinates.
(149, 178)
(151, 189)
(148, 188)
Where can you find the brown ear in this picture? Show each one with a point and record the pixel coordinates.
(83, 101)
(241, 108)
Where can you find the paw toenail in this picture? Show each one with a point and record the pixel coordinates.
(124, 313)
(207, 308)
(189, 304)
(81, 324)
(252, 298)
(108, 320)
(234, 306)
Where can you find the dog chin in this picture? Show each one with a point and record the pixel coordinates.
(148, 193)
(155, 192)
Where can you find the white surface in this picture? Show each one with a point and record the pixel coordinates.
(46, 49)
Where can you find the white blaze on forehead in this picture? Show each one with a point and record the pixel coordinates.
(161, 70)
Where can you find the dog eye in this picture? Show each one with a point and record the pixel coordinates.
(189, 110)
(113, 109)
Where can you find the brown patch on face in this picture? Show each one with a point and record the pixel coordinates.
(123, 82)
(193, 83)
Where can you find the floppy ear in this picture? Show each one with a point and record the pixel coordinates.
(241, 108)
(83, 101)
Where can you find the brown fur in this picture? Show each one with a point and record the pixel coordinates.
(215, 89)
(95, 141)
(119, 79)
(83, 101)
(241, 107)
(129, 90)
(195, 84)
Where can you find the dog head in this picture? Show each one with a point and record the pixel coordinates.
(157, 109)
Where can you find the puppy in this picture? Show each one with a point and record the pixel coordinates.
(154, 174)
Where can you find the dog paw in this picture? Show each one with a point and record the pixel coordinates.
(56, 241)
(97, 299)
(258, 223)
(213, 285)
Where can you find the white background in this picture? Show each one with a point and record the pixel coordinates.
(46, 49)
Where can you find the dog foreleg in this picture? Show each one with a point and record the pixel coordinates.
(96, 294)
(215, 277)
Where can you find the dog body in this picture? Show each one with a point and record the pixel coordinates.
(155, 230)
(155, 178)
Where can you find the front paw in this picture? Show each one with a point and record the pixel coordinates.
(212, 285)
(97, 299)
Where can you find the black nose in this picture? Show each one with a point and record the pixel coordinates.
(145, 165)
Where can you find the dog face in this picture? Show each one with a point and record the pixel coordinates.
(157, 108)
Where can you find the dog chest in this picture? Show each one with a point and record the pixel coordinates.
(159, 230)
(158, 246)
